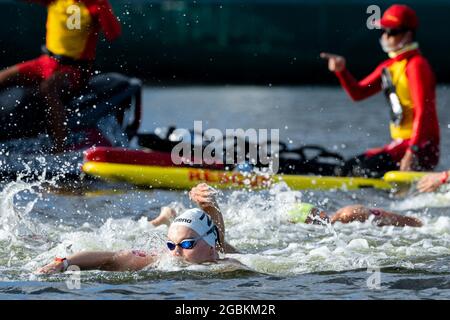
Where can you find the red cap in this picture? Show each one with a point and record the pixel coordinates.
(399, 16)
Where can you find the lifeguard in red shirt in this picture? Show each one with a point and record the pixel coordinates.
(410, 88)
(73, 28)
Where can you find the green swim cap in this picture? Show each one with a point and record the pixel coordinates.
(300, 212)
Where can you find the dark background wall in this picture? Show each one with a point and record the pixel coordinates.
(264, 41)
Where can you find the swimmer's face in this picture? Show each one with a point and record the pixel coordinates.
(201, 252)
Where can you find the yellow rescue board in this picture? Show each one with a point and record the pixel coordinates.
(185, 178)
(404, 177)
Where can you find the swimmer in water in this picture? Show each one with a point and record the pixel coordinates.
(309, 214)
(196, 236)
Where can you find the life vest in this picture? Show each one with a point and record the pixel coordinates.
(64, 36)
(396, 87)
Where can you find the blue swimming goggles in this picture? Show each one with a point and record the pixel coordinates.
(186, 243)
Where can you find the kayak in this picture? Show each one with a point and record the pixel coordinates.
(183, 178)
(143, 157)
(156, 169)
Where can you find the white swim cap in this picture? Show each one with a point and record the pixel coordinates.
(200, 222)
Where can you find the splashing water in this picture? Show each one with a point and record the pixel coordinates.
(257, 223)
(439, 199)
(31, 235)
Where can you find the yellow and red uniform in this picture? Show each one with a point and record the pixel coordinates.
(415, 86)
(70, 47)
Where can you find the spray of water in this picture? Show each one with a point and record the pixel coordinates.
(438, 199)
(256, 223)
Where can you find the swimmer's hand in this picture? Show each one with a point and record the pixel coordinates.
(54, 267)
(165, 217)
(431, 182)
(204, 196)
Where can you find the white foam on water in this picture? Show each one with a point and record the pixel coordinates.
(13, 220)
(256, 224)
(21, 236)
(425, 200)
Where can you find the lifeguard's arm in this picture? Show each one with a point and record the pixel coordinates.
(101, 260)
(108, 21)
(422, 89)
(204, 196)
(9, 76)
(365, 88)
(383, 218)
(52, 89)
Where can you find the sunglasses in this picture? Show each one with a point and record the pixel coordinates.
(393, 32)
(186, 243)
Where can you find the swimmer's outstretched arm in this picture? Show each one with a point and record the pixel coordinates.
(204, 196)
(381, 218)
(126, 260)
